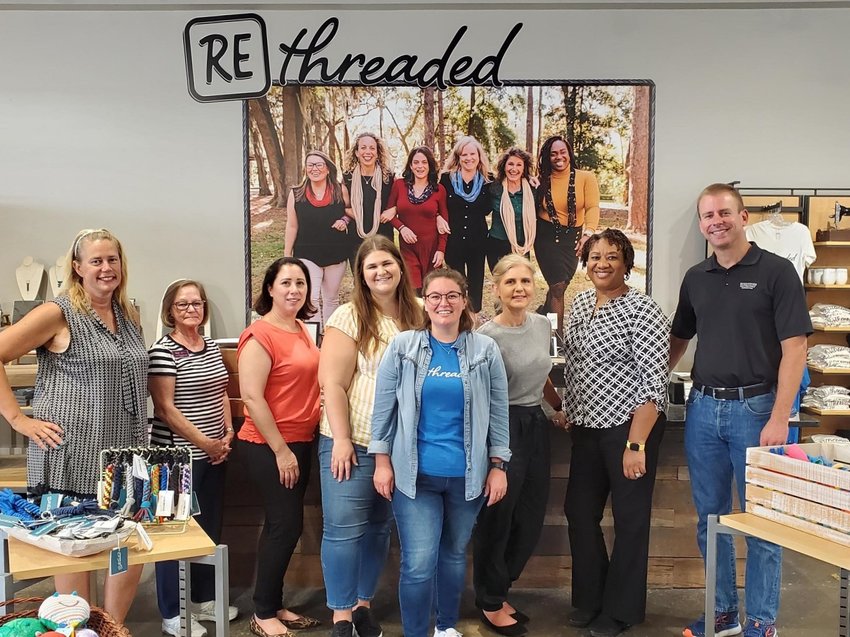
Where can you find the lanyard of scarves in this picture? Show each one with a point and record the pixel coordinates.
(571, 205)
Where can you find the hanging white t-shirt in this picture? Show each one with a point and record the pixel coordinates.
(792, 241)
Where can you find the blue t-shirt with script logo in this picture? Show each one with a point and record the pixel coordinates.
(440, 438)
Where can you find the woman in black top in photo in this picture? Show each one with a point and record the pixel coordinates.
(316, 230)
(465, 177)
(369, 179)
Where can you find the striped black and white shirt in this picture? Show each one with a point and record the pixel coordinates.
(200, 385)
(616, 358)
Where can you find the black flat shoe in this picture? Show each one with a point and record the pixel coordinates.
(604, 626)
(580, 617)
(512, 630)
(521, 617)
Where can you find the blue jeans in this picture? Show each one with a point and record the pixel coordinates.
(356, 530)
(717, 434)
(434, 529)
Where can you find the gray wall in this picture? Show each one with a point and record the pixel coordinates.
(97, 127)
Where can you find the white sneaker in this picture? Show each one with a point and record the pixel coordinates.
(206, 612)
(448, 632)
(171, 626)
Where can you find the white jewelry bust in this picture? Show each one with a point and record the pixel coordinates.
(29, 275)
(56, 276)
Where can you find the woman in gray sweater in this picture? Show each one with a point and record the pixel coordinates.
(507, 532)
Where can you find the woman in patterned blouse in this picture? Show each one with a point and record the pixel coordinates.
(617, 345)
(90, 390)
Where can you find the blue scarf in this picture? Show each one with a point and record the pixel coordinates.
(457, 186)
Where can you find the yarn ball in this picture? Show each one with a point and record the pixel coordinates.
(22, 627)
(84, 632)
(64, 611)
(794, 451)
(52, 633)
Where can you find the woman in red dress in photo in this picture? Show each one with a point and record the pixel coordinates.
(415, 203)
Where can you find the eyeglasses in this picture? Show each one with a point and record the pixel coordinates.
(434, 298)
(183, 306)
(315, 164)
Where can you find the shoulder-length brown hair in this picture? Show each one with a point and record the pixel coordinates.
(409, 308)
(73, 284)
(333, 178)
(466, 320)
(263, 303)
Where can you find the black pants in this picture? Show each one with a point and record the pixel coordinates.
(208, 485)
(507, 532)
(284, 521)
(616, 586)
(467, 257)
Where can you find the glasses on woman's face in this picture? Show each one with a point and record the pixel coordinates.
(315, 165)
(434, 298)
(184, 306)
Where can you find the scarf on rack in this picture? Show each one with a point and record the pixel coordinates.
(457, 186)
(357, 200)
(529, 219)
(571, 205)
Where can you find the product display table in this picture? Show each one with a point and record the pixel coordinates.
(747, 524)
(21, 561)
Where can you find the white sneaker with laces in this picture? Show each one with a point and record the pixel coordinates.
(171, 626)
(448, 632)
(206, 612)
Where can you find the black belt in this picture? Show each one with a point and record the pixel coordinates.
(735, 393)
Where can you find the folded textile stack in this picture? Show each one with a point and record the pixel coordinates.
(827, 397)
(829, 356)
(827, 315)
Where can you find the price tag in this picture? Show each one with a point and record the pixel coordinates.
(50, 501)
(196, 506)
(184, 507)
(140, 468)
(144, 538)
(119, 560)
(165, 504)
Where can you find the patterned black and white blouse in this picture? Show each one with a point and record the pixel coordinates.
(616, 359)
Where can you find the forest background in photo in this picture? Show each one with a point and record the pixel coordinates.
(609, 127)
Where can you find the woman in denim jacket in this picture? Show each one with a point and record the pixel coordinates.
(440, 440)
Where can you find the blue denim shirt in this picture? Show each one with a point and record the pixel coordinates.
(398, 401)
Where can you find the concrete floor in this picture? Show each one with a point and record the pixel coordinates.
(810, 607)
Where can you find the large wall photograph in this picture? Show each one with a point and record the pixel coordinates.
(608, 125)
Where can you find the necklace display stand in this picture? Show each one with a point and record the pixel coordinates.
(56, 276)
(29, 275)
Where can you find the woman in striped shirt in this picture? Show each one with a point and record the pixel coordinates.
(188, 382)
(357, 520)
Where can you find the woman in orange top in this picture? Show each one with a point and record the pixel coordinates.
(278, 380)
(567, 214)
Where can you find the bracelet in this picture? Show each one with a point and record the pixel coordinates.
(401, 227)
(345, 219)
(229, 430)
(635, 446)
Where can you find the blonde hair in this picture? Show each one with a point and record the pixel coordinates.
(453, 162)
(73, 284)
(510, 261)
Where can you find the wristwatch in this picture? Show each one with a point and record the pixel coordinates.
(635, 446)
(501, 465)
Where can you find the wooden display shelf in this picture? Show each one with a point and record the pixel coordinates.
(821, 286)
(839, 330)
(835, 244)
(829, 370)
(825, 412)
(21, 375)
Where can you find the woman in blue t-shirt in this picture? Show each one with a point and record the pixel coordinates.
(440, 440)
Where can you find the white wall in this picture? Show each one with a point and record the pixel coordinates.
(97, 127)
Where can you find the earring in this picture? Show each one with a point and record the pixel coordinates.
(627, 276)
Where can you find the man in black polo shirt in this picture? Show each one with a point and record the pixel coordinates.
(748, 310)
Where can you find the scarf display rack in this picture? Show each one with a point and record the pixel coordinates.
(150, 485)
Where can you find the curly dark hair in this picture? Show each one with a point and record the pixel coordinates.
(432, 166)
(617, 239)
(544, 165)
(514, 151)
(263, 303)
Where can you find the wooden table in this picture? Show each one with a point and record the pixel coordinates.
(747, 524)
(21, 561)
